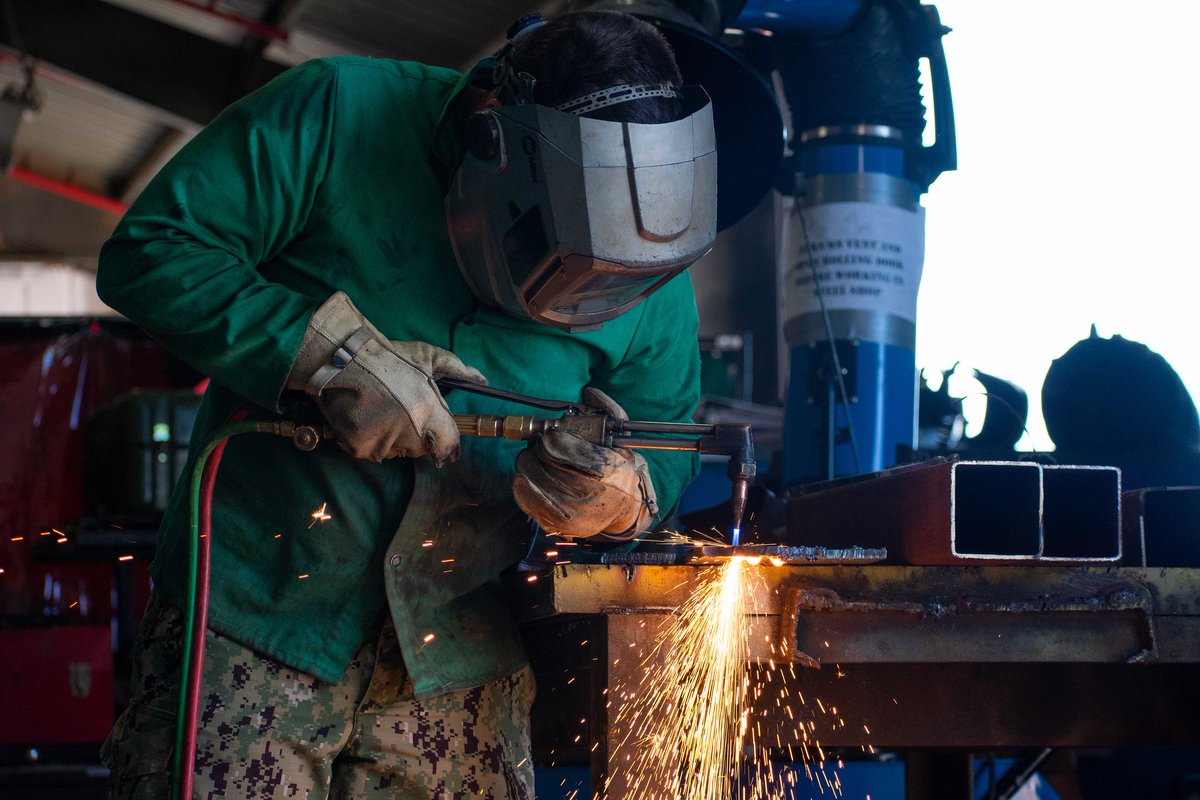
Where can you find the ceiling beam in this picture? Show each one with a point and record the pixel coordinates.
(252, 49)
(152, 61)
(128, 187)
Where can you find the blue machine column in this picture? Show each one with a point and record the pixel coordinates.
(852, 228)
(853, 236)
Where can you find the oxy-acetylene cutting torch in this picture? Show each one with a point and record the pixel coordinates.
(733, 440)
(730, 439)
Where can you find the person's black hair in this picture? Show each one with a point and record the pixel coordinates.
(585, 51)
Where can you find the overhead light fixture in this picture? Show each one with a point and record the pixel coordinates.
(18, 103)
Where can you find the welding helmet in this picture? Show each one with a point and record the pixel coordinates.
(571, 221)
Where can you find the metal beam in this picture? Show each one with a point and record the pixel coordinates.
(151, 61)
(253, 48)
(129, 186)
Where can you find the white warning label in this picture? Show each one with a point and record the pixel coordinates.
(865, 257)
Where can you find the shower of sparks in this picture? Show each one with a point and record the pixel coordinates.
(319, 515)
(681, 735)
(698, 724)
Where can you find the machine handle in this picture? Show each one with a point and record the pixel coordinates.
(942, 155)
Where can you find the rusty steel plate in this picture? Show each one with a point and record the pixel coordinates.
(790, 555)
(704, 555)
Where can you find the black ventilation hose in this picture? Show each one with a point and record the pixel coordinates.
(868, 73)
(860, 75)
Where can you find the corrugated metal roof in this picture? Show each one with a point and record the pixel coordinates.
(446, 34)
(189, 19)
(82, 135)
(251, 9)
(98, 139)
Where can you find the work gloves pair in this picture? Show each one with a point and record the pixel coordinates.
(381, 399)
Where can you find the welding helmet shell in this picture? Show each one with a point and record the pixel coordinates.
(571, 221)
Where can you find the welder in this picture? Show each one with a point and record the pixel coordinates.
(341, 239)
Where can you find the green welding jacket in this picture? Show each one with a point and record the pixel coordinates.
(333, 177)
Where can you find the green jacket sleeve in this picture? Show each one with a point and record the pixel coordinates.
(659, 379)
(183, 262)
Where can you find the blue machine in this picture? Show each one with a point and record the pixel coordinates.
(852, 239)
(854, 242)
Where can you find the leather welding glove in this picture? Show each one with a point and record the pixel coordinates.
(572, 487)
(378, 395)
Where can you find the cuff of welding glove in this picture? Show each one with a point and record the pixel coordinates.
(336, 332)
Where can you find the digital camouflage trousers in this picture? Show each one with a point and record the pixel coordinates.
(269, 731)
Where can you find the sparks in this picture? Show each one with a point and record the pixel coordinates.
(428, 638)
(319, 515)
(125, 558)
(303, 576)
(697, 716)
(688, 720)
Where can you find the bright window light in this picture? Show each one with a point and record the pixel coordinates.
(1077, 197)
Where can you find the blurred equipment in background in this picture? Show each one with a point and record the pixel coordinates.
(940, 421)
(852, 238)
(942, 426)
(56, 685)
(19, 100)
(69, 600)
(727, 365)
(135, 449)
(1115, 396)
(1006, 417)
